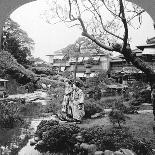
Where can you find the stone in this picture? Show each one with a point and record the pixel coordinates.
(99, 153)
(84, 146)
(118, 153)
(90, 148)
(127, 151)
(108, 152)
(40, 142)
(32, 142)
(96, 115)
(79, 138)
(36, 139)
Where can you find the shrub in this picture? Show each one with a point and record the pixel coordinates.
(56, 137)
(10, 113)
(91, 107)
(43, 70)
(44, 126)
(107, 102)
(146, 95)
(117, 116)
(56, 97)
(53, 106)
(61, 137)
(113, 139)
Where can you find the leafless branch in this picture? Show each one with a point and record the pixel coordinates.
(139, 13)
(71, 17)
(101, 21)
(109, 9)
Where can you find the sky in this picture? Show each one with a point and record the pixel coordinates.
(49, 38)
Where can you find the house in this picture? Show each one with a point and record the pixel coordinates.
(124, 72)
(87, 65)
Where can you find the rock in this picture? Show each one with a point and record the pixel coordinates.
(77, 146)
(79, 138)
(36, 139)
(127, 151)
(118, 153)
(84, 146)
(90, 148)
(96, 115)
(99, 153)
(40, 142)
(32, 142)
(108, 152)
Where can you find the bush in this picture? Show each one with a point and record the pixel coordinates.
(43, 70)
(117, 116)
(56, 137)
(61, 137)
(91, 108)
(56, 97)
(107, 102)
(10, 113)
(53, 106)
(44, 126)
(113, 139)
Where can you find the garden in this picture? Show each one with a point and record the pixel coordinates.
(110, 122)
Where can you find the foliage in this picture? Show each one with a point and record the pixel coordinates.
(10, 113)
(16, 42)
(107, 102)
(113, 139)
(56, 98)
(44, 126)
(117, 116)
(56, 137)
(10, 66)
(136, 87)
(67, 74)
(145, 95)
(140, 93)
(95, 84)
(91, 108)
(43, 70)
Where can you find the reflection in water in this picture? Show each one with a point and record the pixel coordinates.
(29, 150)
(11, 141)
(16, 141)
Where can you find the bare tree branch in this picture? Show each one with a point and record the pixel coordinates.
(102, 22)
(110, 10)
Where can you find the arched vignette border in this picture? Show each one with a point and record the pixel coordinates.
(8, 6)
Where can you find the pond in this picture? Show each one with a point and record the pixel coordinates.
(17, 141)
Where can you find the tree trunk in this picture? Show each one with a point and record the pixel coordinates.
(140, 64)
(75, 69)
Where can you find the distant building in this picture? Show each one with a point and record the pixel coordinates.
(87, 65)
(125, 72)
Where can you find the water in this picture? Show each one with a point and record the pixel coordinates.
(17, 141)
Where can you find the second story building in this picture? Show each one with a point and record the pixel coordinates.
(86, 65)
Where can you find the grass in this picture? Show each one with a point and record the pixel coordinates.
(142, 126)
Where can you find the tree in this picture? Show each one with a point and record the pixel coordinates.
(77, 50)
(112, 35)
(16, 42)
